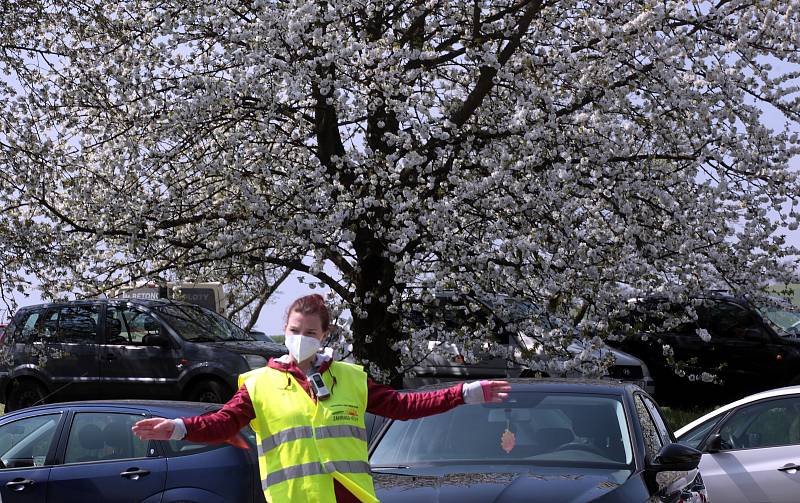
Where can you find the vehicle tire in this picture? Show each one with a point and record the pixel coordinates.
(209, 391)
(25, 393)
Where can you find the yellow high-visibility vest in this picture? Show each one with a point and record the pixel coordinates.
(303, 446)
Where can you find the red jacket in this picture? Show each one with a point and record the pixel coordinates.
(382, 400)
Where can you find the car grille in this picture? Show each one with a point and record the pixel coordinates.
(625, 372)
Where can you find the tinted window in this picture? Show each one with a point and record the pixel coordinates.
(725, 320)
(764, 424)
(77, 324)
(695, 436)
(99, 436)
(536, 428)
(46, 326)
(659, 316)
(26, 442)
(655, 414)
(27, 325)
(177, 448)
(652, 439)
(200, 325)
(129, 326)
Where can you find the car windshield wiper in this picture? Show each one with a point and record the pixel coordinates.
(390, 467)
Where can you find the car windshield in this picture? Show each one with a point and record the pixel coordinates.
(785, 322)
(196, 324)
(547, 429)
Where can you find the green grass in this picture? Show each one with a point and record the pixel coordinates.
(680, 417)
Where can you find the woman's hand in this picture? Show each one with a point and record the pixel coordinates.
(155, 428)
(486, 391)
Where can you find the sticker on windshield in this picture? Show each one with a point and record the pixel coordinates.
(507, 441)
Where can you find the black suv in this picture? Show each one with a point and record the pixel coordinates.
(125, 348)
(733, 349)
(457, 313)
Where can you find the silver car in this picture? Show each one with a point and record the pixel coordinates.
(751, 448)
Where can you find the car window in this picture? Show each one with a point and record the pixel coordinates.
(195, 324)
(77, 324)
(726, 320)
(177, 448)
(653, 441)
(127, 325)
(532, 427)
(764, 424)
(784, 320)
(101, 436)
(26, 442)
(655, 316)
(695, 436)
(658, 420)
(27, 325)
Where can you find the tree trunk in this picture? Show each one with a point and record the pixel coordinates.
(375, 330)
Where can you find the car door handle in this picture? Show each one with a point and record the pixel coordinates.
(789, 467)
(134, 473)
(19, 484)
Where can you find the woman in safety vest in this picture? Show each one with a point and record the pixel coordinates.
(308, 414)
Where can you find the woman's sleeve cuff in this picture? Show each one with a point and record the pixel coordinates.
(179, 431)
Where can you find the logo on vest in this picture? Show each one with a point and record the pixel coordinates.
(345, 413)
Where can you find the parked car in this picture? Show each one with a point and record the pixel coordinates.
(447, 362)
(751, 447)
(552, 440)
(124, 348)
(86, 451)
(747, 351)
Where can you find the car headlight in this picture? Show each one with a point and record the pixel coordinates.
(255, 361)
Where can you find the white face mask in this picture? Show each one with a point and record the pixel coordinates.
(302, 347)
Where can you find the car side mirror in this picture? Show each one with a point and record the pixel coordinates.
(754, 334)
(160, 339)
(716, 443)
(676, 458)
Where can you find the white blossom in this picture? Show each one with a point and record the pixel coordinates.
(551, 151)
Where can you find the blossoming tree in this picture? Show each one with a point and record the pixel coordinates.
(552, 151)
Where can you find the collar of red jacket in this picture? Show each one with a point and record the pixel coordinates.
(290, 366)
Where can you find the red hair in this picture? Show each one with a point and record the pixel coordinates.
(312, 304)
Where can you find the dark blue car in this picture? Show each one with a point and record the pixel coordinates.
(554, 441)
(85, 452)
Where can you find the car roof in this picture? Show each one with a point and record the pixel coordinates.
(121, 300)
(172, 408)
(777, 392)
(556, 385)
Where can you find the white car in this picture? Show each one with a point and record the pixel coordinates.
(751, 448)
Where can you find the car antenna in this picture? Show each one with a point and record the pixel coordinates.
(44, 398)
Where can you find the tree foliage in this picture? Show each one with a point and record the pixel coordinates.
(547, 150)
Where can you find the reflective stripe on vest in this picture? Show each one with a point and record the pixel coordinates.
(307, 469)
(299, 432)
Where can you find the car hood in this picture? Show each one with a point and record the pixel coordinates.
(511, 484)
(261, 348)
